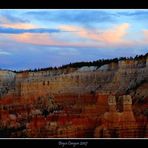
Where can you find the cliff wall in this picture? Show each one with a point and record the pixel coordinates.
(118, 79)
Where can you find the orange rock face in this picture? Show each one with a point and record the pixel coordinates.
(75, 102)
(120, 124)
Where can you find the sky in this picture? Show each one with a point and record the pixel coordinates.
(39, 38)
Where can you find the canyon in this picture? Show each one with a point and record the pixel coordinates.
(110, 101)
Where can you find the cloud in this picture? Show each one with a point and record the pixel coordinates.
(46, 39)
(73, 16)
(2, 52)
(43, 39)
(20, 26)
(19, 31)
(134, 14)
(9, 19)
(34, 38)
(114, 35)
(16, 22)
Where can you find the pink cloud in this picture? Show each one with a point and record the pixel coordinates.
(42, 39)
(114, 35)
(20, 26)
(34, 38)
(109, 38)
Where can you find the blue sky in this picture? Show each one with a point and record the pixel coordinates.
(40, 38)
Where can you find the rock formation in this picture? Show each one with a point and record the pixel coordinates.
(107, 101)
(118, 124)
